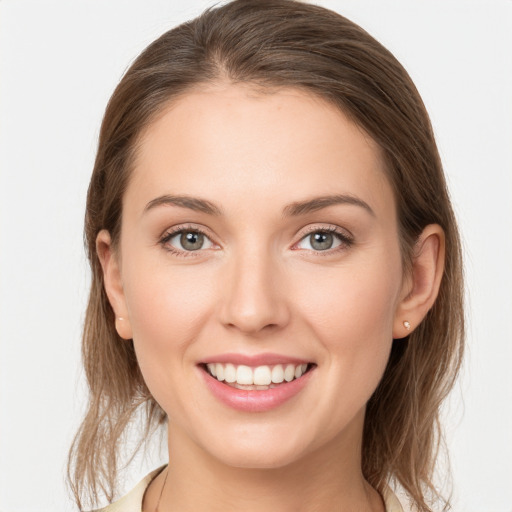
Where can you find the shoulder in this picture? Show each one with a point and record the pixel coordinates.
(132, 502)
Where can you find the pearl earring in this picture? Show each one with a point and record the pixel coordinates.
(123, 328)
(407, 325)
(117, 322)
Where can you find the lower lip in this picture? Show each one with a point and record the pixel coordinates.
(255, 400)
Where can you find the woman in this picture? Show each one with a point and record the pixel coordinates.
(276, 270)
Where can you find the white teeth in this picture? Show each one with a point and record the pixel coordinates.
(211, 368)
(230, 373)
(289, 373)
(244, 375)
(261, 377)
(219, 372)
(277, 374)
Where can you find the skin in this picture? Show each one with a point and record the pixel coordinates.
(258, 285)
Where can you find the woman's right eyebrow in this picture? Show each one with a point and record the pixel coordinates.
(192, 203)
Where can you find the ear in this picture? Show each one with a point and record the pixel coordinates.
(421, 285)
(113, 283)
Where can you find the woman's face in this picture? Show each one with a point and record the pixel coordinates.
(259, 234)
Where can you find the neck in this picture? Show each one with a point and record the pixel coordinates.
(325, 480)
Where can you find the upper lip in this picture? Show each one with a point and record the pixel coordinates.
(264, 359)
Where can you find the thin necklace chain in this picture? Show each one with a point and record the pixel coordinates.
(163, 487)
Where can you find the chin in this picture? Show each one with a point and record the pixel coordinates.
(264, 448)
(258, 458)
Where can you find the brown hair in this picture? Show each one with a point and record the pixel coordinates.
(281, 43)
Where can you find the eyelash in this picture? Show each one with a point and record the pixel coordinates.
(345, 240)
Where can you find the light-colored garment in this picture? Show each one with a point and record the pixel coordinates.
(132, 502)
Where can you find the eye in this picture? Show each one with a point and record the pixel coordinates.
(187, 240)
(323, 240)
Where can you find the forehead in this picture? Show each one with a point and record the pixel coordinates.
(232, 141)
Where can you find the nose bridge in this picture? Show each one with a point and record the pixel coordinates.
(253, 300)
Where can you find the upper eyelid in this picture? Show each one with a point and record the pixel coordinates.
(186, 227)
(330, 228)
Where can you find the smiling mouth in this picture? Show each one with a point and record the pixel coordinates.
(258, 378)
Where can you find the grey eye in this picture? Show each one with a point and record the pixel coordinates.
(321, 241)
(192, 240)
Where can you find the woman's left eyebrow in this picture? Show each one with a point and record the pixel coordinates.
(318, 203)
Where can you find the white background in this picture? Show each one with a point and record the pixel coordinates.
(60, 61)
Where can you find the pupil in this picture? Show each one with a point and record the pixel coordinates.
(192, 241)
(321, 241)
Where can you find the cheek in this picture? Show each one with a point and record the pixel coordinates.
(355, 299)
(166, 302)
(351, 311)
(168, 308)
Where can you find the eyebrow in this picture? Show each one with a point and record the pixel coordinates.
(292, 210)
(192, 203)
(318, 203)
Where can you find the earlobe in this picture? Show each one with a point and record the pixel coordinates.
(113, 283)
(421, 287)
(123, 328)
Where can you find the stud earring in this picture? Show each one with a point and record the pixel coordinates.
(407, 325)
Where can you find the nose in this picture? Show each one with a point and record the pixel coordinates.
(254, 299)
